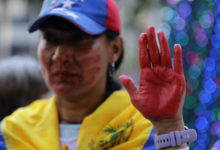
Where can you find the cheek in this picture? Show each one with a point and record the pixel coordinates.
(43, 57)
(96, 58)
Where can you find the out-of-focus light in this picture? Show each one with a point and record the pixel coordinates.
(194, 71)
(217, 115)
(202, 124)
(207, 19)
(182, 38)
(217, 28)
(209, 64)
(215, 128)
(167, 13)
(215, 54)
(217, 67)
(209, 85)
(210, 116)
(200, 34)
(200, 109)
(200, 146)
(205, 97)
(184, 10)
(216, 145)
(173, 2)
(190, 102)
(215, 41)
(179, 23)
(217, 81)
(194, 83)
(203, 138)
(192, 57)
(166, 28)
(210, 74)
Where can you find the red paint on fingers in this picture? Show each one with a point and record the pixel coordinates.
(178, 65)
(152, 46)
(144, 59)
(128, 84)
(165, 56)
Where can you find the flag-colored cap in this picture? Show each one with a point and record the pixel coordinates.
(91, 16)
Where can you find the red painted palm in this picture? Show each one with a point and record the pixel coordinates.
(162, 87)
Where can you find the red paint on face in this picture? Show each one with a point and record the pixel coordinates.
(74, 67)
(90, 60)
(83, 50)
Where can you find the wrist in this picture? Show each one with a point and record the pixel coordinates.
(166, 126)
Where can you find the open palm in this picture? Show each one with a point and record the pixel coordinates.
(162, 87)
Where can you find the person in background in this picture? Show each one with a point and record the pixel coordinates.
(21, 83)
(80, 48)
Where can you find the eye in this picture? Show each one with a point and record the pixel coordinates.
(51, 39)
(84, 37)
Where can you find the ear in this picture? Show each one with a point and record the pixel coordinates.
(116, 48)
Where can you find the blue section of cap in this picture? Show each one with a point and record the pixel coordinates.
(2, 141)
(88, 15)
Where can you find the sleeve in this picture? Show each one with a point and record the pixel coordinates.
(2, 141)
(149, 145)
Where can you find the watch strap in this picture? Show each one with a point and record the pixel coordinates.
(175, 138)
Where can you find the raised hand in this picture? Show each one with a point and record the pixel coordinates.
(161, 92)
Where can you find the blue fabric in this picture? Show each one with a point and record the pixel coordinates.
(149, 145)
(90, 19)
(2, 141)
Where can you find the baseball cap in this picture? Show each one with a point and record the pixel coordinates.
(91, 16)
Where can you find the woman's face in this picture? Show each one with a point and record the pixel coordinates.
(72, 63)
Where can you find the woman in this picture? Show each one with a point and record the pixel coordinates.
(79, 49)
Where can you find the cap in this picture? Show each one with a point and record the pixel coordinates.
(91, 16)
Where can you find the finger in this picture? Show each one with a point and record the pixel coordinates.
(178, 65)
(165, 55)
(128, 84)
(143, 53)
(152, 45)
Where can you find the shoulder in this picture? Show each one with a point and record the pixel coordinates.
(35, 107)
(34, 111)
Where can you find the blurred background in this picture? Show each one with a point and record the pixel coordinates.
(195, 24)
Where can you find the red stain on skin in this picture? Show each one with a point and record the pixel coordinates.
(162, 88)
(90, 60)
(92, 71)
(83, 50)
(70, 67)
(88, 82)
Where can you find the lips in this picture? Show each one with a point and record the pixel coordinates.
(65, 76)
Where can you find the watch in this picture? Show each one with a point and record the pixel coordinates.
(175, 138)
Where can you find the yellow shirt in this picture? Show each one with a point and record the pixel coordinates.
(115, 125)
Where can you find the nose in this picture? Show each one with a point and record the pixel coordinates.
(62, 56)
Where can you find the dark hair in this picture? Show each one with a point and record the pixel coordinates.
(21, 83)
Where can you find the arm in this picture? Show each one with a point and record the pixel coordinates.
(161, 92)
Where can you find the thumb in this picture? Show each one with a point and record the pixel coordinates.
(128, 83)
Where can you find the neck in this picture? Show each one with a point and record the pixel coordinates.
(73, 111)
